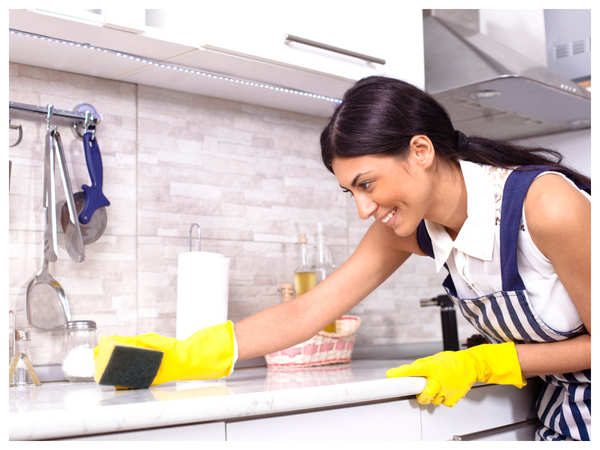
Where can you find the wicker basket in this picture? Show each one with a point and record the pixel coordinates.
(321, 349)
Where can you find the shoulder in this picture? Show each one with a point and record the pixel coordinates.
(555, 211)
(384, 238)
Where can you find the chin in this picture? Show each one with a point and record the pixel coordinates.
(404, 230)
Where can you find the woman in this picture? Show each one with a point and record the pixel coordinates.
(511, 225)
(517, 246)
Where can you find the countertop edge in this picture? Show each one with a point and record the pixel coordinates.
(129, 417)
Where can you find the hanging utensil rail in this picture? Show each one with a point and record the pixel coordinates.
(75, 115)
(84, 116)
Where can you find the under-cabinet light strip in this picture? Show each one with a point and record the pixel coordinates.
(179, 68)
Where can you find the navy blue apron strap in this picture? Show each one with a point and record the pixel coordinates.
(424, 240)
(449, 284)
(515, 189)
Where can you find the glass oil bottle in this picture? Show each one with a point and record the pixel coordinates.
(324, 265)
(304, 275)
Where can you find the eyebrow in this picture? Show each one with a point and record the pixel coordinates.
(355, 179)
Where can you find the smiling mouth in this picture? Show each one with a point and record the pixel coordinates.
(387, 218)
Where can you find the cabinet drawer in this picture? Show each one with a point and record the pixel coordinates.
(520, 431)
(483, 408)
(397, 420)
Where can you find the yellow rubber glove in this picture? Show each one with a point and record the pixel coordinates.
(207, 354)
(450, 375)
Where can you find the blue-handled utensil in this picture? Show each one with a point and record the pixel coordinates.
(94, 198)
(90, 203)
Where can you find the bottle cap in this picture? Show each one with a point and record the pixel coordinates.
(22, 335)
(81, 325)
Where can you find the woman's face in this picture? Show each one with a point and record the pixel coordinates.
(394, 190)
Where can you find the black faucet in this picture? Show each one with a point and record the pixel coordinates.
(448, 316)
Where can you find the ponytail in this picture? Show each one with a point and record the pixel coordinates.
(380, 115)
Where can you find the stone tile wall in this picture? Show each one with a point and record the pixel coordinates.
(250, 176)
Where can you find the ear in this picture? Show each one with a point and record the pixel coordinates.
(421, 150)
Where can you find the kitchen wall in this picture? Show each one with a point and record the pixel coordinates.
(250, 176)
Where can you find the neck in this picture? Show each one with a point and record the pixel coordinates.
(449, 206)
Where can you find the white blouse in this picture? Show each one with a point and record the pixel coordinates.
(473, 258)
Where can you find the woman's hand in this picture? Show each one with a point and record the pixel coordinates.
(208, 353)
(450, 375)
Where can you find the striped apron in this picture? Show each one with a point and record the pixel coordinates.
(564, 403)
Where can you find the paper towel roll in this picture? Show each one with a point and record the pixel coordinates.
(202, 291)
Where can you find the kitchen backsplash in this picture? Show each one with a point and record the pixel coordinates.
(252, 178)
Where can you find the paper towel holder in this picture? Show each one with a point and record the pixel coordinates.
(192, 226)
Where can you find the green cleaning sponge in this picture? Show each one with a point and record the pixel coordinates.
(130, 367)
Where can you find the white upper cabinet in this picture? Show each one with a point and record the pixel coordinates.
(318, 47)
(349, 39)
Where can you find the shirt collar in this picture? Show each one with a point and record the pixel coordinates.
(476, 236)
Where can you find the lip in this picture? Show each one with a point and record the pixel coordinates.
(392, 220)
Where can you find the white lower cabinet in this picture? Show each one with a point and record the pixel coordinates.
(212, 431)
(488, 412)
(388, 421)
(483, 414)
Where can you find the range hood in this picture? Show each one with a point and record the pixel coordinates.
(493, 91)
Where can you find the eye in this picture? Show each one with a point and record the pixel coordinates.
(347, 191)
(365, 185)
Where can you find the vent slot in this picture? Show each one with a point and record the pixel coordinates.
(578, 47)
(562, 51)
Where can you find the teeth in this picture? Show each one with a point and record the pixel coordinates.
(389, 216)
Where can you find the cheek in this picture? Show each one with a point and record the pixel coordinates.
(409, 198)
(408, 219)
(413, 204)
(419, 194)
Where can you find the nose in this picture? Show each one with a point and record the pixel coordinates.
(366, 207)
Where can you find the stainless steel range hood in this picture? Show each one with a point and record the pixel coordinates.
(493, 91)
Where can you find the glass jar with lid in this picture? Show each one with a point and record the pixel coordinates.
(79, 342)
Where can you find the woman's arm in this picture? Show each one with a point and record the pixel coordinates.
(377, 256)
(559, 221)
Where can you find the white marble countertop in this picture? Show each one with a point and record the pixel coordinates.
(62, 409)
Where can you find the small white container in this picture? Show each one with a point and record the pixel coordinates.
(79, 342)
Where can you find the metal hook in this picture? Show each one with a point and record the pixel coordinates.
(86, 121)
(16, 127)
(90, 121)
(89, 125)
(194, 225)
(49, 116)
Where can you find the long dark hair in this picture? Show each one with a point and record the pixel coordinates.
(379, 115)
